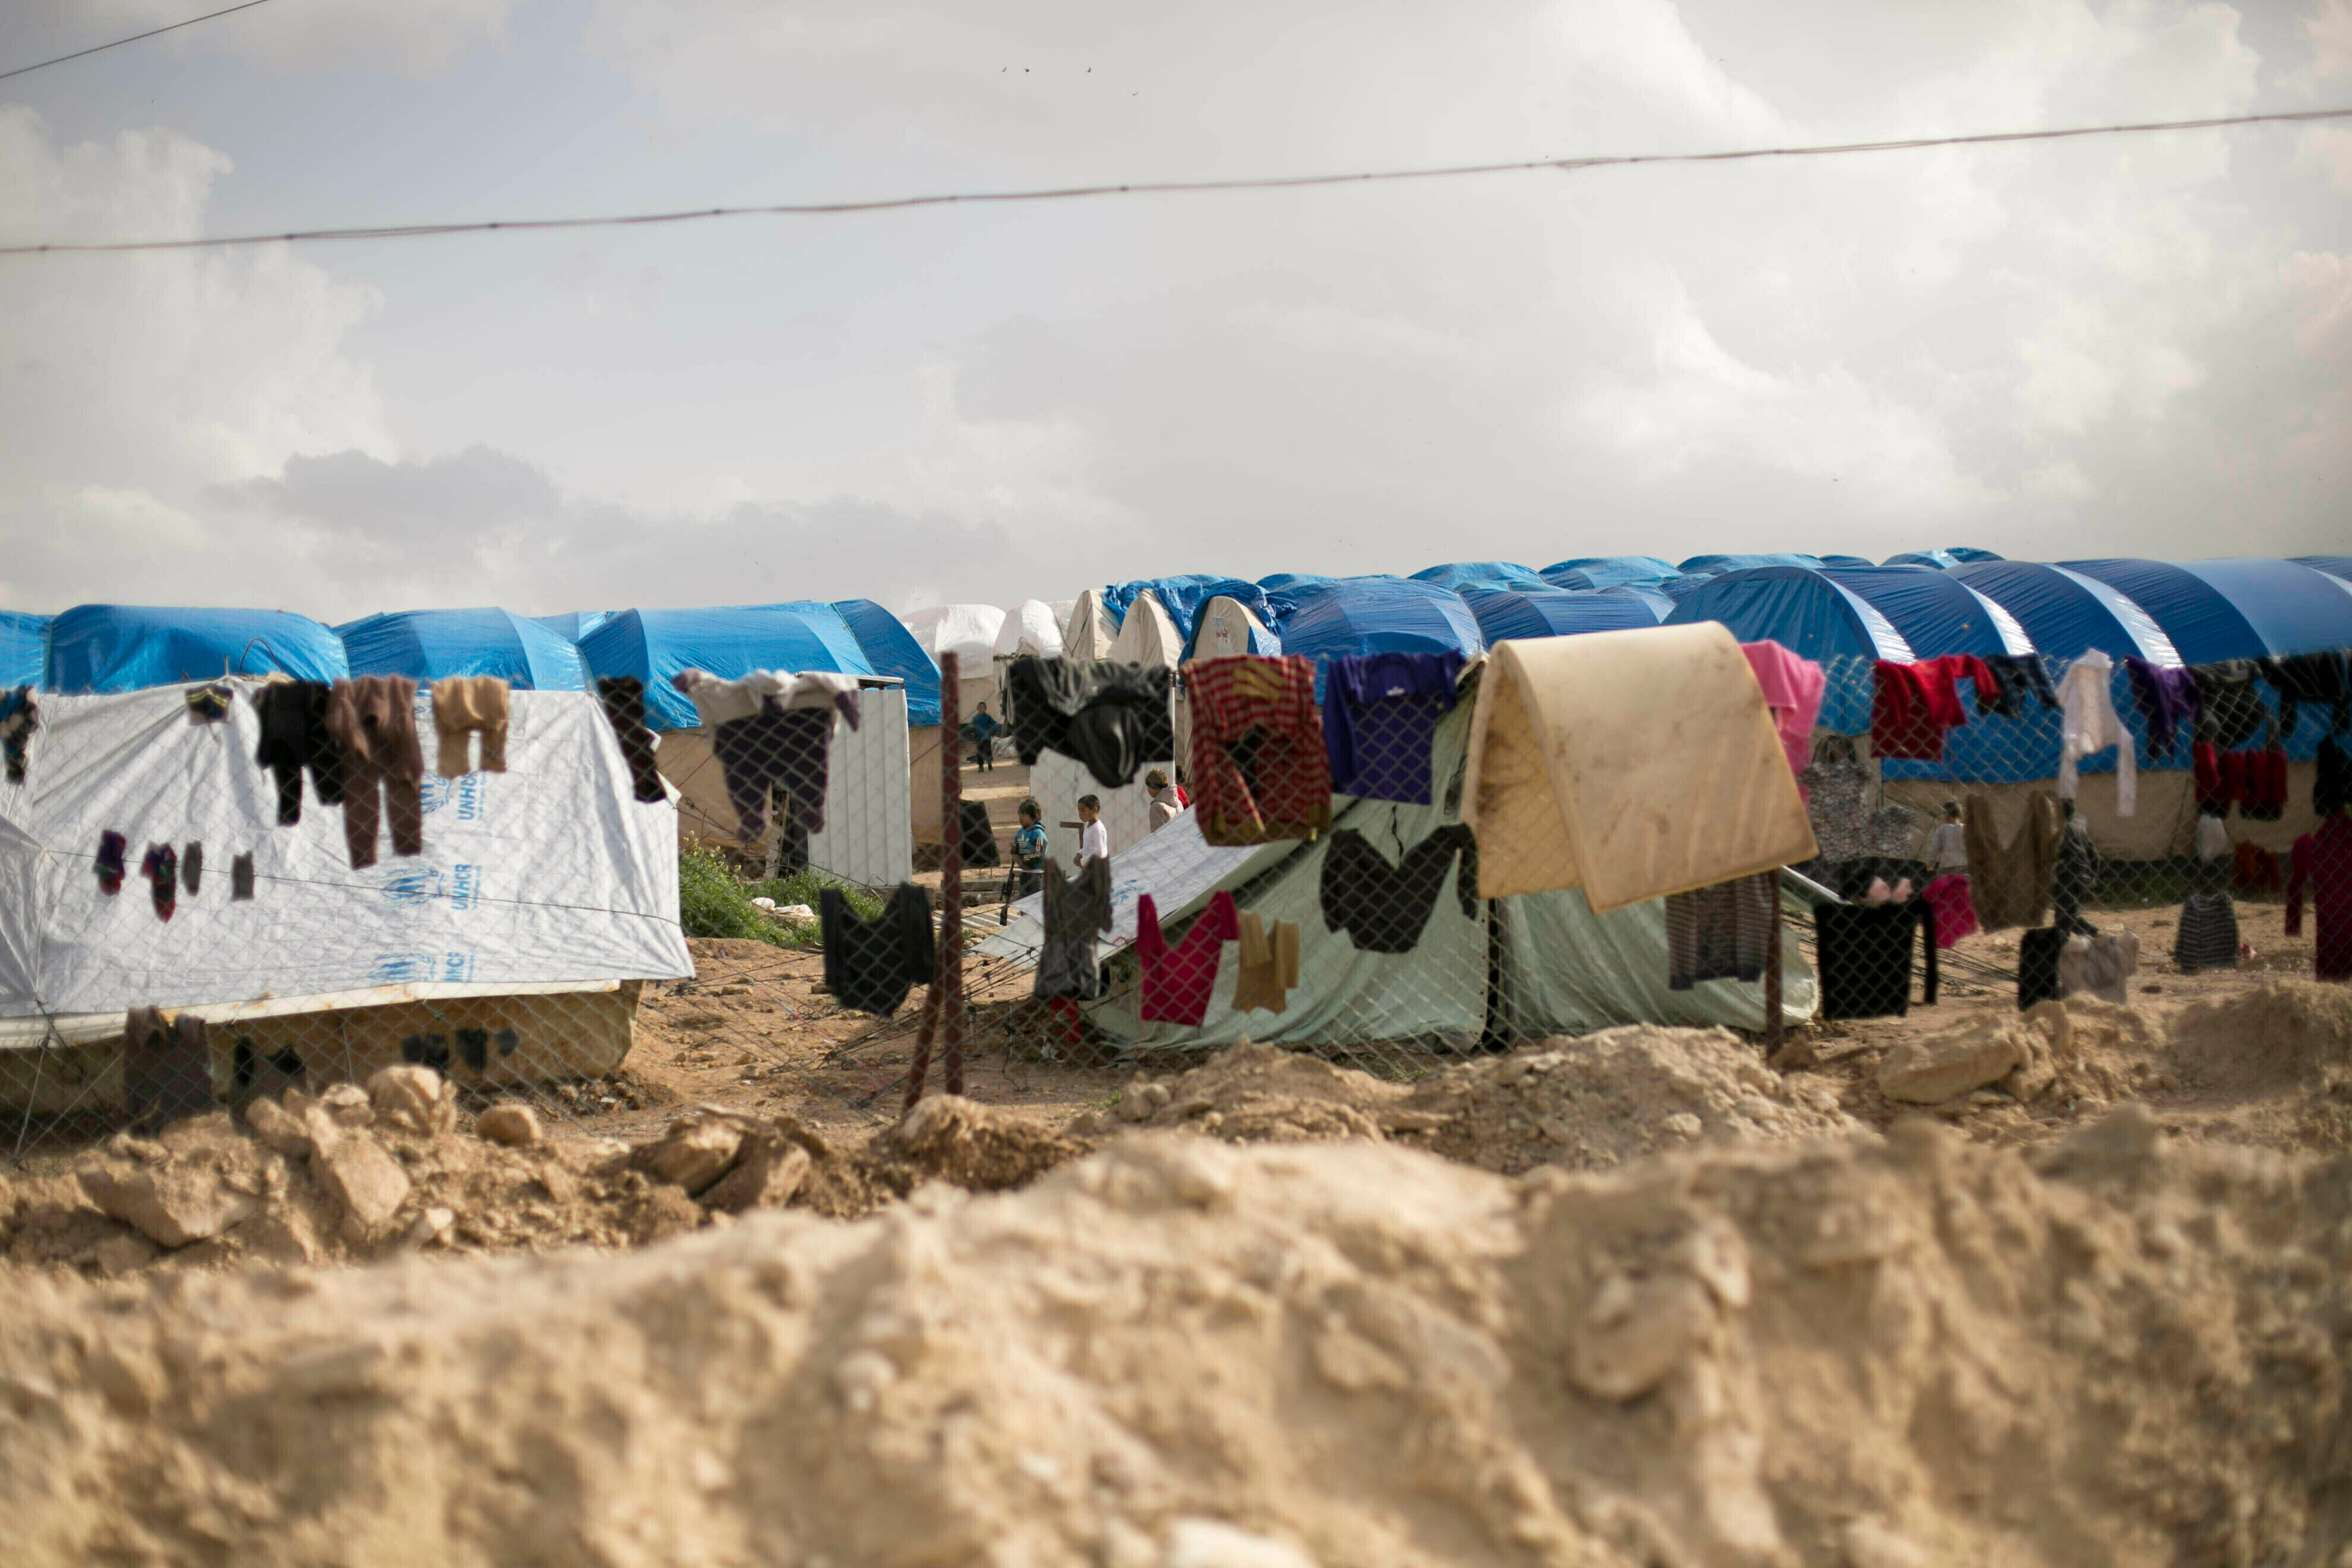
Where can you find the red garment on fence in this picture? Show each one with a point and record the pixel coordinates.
(2212, 789)
(1257, 750)
(2323, 868)
(1913, 704)
(1956, 910)
(1177, 980)
(2255, 869)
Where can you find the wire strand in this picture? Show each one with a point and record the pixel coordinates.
(135, 37)
(1157, 187)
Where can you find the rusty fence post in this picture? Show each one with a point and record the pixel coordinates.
(943, 1008)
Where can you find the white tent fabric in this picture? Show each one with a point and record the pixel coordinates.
(548, 872)
(1226, 628)
(1562, 968)
(1089, 631)
(1030, 629)
(970, 632)
(1148, 636)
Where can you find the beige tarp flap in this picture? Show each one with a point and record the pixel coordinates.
(1631, 764)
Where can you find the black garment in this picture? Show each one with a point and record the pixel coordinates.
(1383, 908)
(1864, 953)
(240, 878)
(192, 868)
(2037, 965)
(293, 737)
(2072, 880)
(2331, 791)
(2208, 938)
(623, 697)
(167, 1067)
(2020, 676)
(161, 869)
(1076, 910)
(1721, 932)
(1112, 716)
(111, 849)
(976, 841)
(2233, 711)
(869, 963)
(792, 750)
(2323, 678)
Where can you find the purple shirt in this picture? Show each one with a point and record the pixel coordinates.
(2168, 700)
(1380, 722)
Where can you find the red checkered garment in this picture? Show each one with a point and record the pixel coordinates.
(1259, 769)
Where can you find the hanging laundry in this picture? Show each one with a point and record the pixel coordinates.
(2257, 781)
(1864, 957)
(1259, 767)
(167, 1068)
(2037, 965)
(2008, 878)
(1176, 981)
(764, 691)
(2331, 791)
(2168, 703)
(2212, 787)
(1722, 932)
(1076, 910)
(1839, 794)
(192, 868)
(870, 963)
(1383, 907)
(20, 715)
(1114, 718)
(2255, 869)
(464, 707)
(2210, 844)
(2073, 880)
(373, 720)
(112, 847)
(210, 703)
(240, 880)
(790, 751)
(2323, 873)
(2017, 677)
(2324, 677)
(1913, 705)
(161, 869)
(1269, 965)
(1379, 721)
(2208, 937)
(2230, 710)
(295, 736)
(623, 700)
(1955, 912)
(2098, 965)
(2090, 725)
(1792, 688)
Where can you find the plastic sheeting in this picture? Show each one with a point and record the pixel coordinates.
(574, 625)
(2232, 608)
(1182, 598)
(1031, 627)
(1376, 615)
(1554, 611)
(1934, 613)
(730, 643)
(548, 872)
(1808, 614)
(1941, 559)
(1225, 626)
(1460, 574)
(442, 645)
(2066, 614)
(1148, 636)
(968, 631)
(24, 649)
(129, 647)
(1847, 561)
(1608, 571)
(1716, 565)
(1089, 628)
(2337, 566)
(892, 649)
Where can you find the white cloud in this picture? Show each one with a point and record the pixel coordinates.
(413, 38)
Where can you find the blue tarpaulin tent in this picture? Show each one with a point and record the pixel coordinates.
(2240, 608)
(2337, 566)
(1460, 574)
(1716, 565)
(130, 647)
(1376, 615)
(574, 625)
(2066, 614)
(1554, 611)
(1845, 561)
(1936, 613)
(729, 642)
(1807, 613)
(1182, 597)
(438, 645)
(892, 649)
(1589, 571)
(24, 649)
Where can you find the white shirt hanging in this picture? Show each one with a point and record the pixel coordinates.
(2089, 723)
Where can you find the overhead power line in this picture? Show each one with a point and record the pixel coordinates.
(149, 33)
(1158, 187)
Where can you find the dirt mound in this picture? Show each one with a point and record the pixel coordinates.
(2279, 1035)
(1176, 1352)
(1255, 1094)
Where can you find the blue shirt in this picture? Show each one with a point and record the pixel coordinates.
(1029, 846)
(1380, 722)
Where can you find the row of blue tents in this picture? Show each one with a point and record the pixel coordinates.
(1841, 610)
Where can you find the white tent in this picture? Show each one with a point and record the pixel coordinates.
(1538, 962)
(1030, 629)
(1225, 627)
(970, 632)
(1149, 637)
(1089, 631)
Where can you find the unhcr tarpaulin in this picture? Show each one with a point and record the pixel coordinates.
(1631, 764)
(130, 647)
(892, 649)
(442, 645)
(729, 642)
(548, 872)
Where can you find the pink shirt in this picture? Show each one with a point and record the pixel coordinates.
(1792, 689)
(1177, 980)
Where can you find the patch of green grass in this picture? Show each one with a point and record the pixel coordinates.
(712, 901)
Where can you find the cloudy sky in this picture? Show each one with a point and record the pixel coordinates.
(2126, 346)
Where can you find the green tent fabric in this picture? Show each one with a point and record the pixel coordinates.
(1560, 968)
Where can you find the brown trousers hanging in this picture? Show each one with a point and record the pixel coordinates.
(373, 720)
